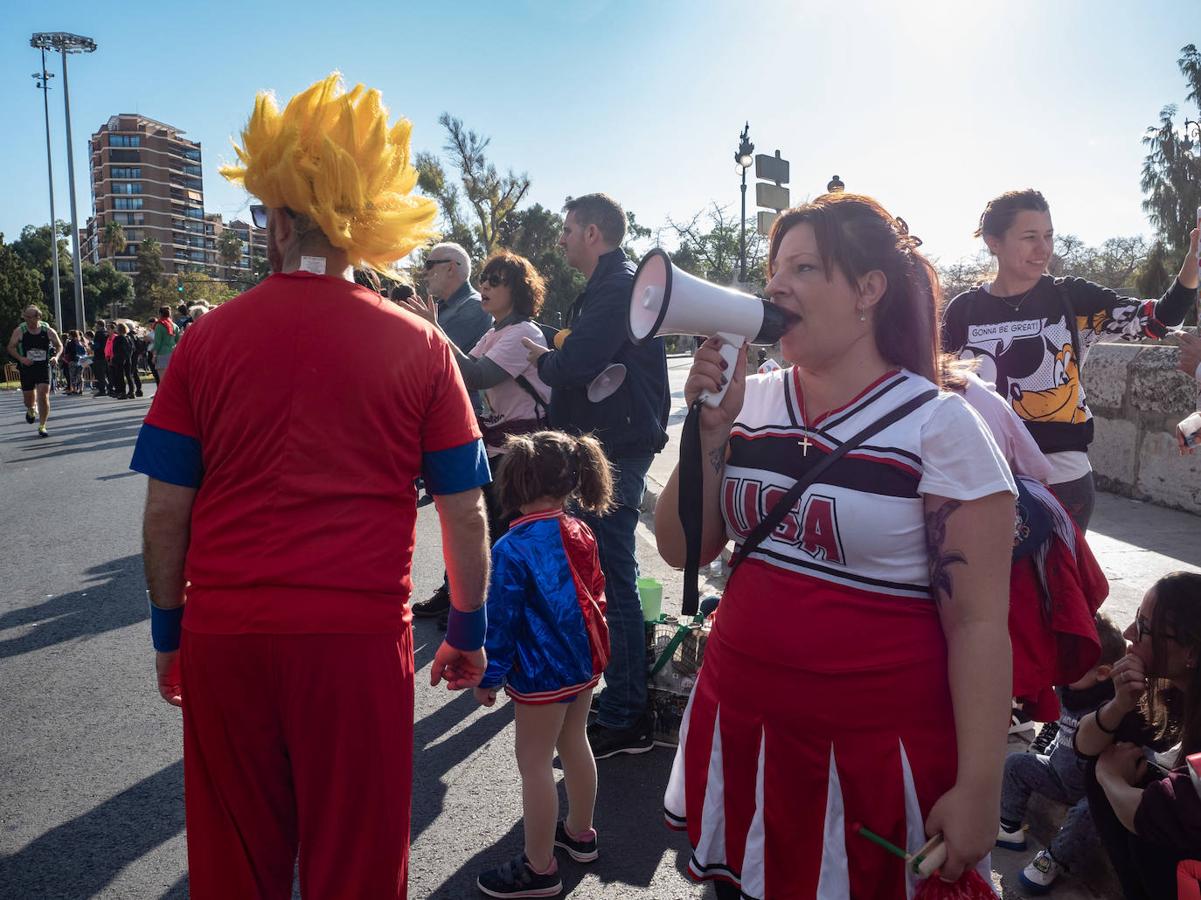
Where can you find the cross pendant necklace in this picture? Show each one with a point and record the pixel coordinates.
(805, 423)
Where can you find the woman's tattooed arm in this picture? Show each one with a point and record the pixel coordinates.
(940, 559)
(717, 459)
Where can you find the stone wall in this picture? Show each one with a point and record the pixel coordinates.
(1137, 395)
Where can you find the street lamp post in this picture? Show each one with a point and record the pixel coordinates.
(835, 186)
(42, 79)
(67, 44)
(743, 157)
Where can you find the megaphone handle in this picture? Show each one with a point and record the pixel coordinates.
(731, 344)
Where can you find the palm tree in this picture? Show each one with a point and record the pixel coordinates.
(114, 238)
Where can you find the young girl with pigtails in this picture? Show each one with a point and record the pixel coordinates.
(547, 645)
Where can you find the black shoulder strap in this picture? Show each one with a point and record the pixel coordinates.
(540, 407)
(690, 508)
(1069, 313)
(785, 504)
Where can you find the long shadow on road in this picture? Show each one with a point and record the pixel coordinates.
(629, 820)
(81, 857)
(114, 602)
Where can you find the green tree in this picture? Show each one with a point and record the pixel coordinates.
(260, 268)
(709, 247)
(229, 250)
(114, 238)
(534, 232)
(33, 246)
(20, 286)
(964, 274)
(489, 196)
(1171, 179)
(105, 291)
(200, 288)
(1156, 273)
(1113, 264)
(148, 286)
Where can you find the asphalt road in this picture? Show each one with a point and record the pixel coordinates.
(91, 782)
(91, 778)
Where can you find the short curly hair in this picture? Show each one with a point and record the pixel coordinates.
(519, 275)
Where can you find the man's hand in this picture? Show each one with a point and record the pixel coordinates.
(535, 349)
(425, 307)
(459, 668)
(1124, 762)
(1190, 353)
(484, 696)
(170, 688)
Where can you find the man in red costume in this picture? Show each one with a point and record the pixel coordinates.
(280, 520)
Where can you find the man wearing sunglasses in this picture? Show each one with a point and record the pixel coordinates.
(280, 515)
(463, 320)
(460, 316)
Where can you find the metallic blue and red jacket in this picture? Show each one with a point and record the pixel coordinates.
(547, 637)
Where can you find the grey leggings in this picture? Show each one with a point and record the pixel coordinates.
(1078, 498)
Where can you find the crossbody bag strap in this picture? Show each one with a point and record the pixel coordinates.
(540, 407)
(782, 507)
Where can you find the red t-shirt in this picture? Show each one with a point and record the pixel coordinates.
(302, 411)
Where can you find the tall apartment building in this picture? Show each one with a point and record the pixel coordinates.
(147, 176)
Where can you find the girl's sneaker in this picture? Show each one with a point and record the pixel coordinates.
(1011, 840)
(581, 849)
(516, 879)
(1039, 877)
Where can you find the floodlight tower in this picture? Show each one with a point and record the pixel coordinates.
(66, 44)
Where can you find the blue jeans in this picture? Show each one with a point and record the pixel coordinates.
(623, 702)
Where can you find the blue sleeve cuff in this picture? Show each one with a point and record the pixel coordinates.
(455, 469)
(168, 456)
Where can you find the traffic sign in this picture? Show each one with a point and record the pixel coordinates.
(766, 220)
(771, 196)
(771, 168)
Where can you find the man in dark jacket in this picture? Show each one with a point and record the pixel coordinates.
(99, 361)
(631, 424)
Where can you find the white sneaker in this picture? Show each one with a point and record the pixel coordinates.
(1020, 723)
(1011, 840)
(1040, 875)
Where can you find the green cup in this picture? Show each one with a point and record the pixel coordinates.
(650, 592)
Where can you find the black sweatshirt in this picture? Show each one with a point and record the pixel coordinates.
(1026, 346)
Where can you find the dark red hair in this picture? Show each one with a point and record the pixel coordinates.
(856, 235)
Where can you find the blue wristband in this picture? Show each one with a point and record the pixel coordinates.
(467, 630)
(165, 627)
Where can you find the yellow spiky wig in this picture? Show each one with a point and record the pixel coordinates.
(331, 156)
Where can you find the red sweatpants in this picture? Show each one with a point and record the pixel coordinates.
(297, 740)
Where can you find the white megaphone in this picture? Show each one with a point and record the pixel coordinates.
(667, 300)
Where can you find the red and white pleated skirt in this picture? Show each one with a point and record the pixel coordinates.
(817, 707)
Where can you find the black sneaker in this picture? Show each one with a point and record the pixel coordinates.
(580, 849)
(608, 742)
(42, 432)
(438, 603)
(444, 621)
(30, 418)
(516, 879)
(1046, 737)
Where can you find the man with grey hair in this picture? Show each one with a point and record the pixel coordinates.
(448, 278)
(460, 316)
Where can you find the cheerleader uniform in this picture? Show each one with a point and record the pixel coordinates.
(823, 699)
(547, 637)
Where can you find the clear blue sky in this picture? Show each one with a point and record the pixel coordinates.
(931, 106)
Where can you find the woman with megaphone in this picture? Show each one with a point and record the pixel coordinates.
(858, 672)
